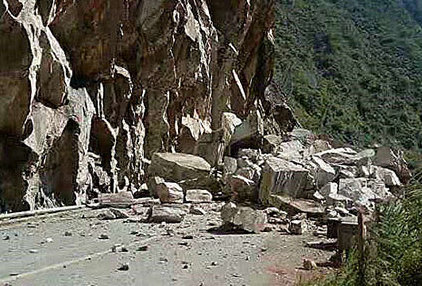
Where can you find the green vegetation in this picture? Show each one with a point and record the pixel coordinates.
(353, 68)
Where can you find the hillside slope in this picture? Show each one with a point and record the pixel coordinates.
(353, 68)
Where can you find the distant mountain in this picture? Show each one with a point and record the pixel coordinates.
(353, 68)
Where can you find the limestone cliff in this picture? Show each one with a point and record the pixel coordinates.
(90, 89)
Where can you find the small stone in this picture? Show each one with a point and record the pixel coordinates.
(103, 236)
(67, 233)
(124, 267)
(186, 266)
(33, 251)
(183, 243)
(49, 240)
(106, 215)
(189, 236)
(6, 237)
(119, 248)
(213, 263)
(197, 211)
(163, 260)
(119, 213)
(142, 248)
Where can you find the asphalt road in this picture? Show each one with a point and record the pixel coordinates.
(65, 249)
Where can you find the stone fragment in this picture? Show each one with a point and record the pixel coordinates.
(117, 200)
(300, 134)
(387, 158)
(230, 166)
(153, 182)
(275, 212)
(317, 146)
(168, 214)
(198, 196)
(244, 218)
(318, 197)
(169, 192)
(242, 189)
(119, 213)
(197, 211)
(335, 199)
(142, 248)
(347, 172)
(119, 248)
(146, 201)
(103, 236)
(123, 267)
(322, 172)
(250, 154)
(330, 188)
(106, 215)
(295, 206)
(387, 176)
(290, 150)
(345, 156)
(297, 227)
(271, 143)
(281, 177)
(309, 264)
(250, 131)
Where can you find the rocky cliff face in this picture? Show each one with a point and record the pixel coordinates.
(90, 89)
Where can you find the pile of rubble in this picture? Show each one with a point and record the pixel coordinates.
(280, 185)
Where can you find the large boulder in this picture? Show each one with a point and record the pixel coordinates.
(290, 150)
(390, 159)
(363, 191)
(323, 173)
(188, 170)
(281, 177)
(243, 218)
(242, 189)
(249, 133)
(389, 177)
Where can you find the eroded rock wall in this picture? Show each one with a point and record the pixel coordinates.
(90, 89)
